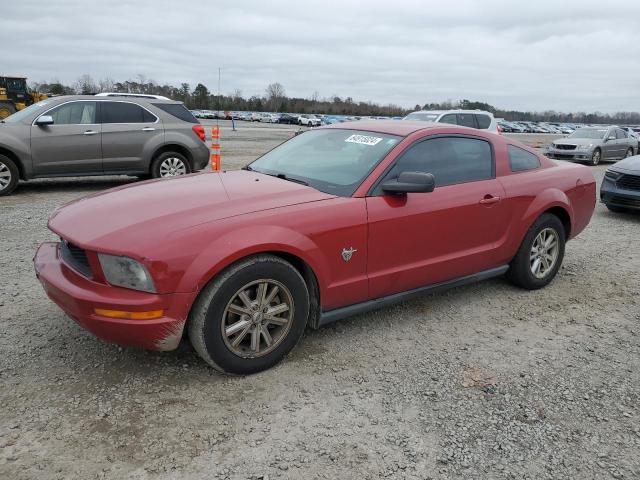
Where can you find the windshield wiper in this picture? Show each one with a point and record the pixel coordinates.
(247, 168)
(287, 178)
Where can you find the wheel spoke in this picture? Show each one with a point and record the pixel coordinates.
(238, 310)
(262, 290)
(255, 340)
(275, 320)
(245, 299)
(278, 309)
(266, 335)
(236, 327)
(271, 295)
(241, 335)
(535, 268)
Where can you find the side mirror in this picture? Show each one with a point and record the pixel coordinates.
(44, 120)
(410, 182)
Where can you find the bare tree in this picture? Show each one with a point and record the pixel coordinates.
(106, 84)
(85, 85)
(275, 95)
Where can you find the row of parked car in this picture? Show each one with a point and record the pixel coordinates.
(311, 120)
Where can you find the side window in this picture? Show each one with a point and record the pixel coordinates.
(123, 112)
(467, 120)
(74, 113)
(484, 121)
(521, 160)
(620, 133)
(451, 160)
(449, 118)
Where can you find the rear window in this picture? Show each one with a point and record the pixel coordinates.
(484, 121)
(177, 110)
(521, 160)
(124, 112)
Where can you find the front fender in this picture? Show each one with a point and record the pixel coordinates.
(249, 240)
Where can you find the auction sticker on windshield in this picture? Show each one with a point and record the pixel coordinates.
(363, 139)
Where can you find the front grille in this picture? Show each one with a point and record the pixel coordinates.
(562, 156)
(561, 146)
(629, 182)
(625, 201)
(75, 257)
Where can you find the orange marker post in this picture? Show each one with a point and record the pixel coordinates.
(215, 149)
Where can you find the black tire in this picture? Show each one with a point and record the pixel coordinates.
(8, 171)
(6, 109)
(596, 157)
(157, 163)
(615, 209)
(629, 152)
(208, 313)
(520, 269)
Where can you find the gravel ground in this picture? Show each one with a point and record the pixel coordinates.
(485, 381)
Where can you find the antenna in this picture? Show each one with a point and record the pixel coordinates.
(219, 81)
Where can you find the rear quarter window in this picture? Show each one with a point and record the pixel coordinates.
(484, 121)
(520, 160)
(177, 110)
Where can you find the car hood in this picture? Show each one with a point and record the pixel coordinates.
(577, 141)
(630, 164)
(124, 219)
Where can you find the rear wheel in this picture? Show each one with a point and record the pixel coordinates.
(629, 153)
(170, 164)
(6, 109)
(596, 156)
(9, 175)
(249, 317)
(540, 254)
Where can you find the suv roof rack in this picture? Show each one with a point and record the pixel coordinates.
(138, 95)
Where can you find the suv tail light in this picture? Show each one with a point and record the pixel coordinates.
(199, 131)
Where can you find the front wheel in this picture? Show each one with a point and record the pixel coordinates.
(596, 156)
(170, 164)
(8, 175)
(248, 318)
(540, 254)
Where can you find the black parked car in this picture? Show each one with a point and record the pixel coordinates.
(288, 119)
(620, 189)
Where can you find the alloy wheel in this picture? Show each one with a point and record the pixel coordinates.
(595, 158)
(544, 253)
(258, 318)
(5, 176)
(629, 153)
(172, 167)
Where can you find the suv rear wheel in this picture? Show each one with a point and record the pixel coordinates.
(170, 164)
(9, 175)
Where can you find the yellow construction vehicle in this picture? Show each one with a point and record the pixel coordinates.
(15, 95)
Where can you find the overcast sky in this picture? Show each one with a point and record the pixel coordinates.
(565, 55)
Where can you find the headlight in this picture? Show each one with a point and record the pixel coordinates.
(611, 175)
(584, 147)
(126, 272)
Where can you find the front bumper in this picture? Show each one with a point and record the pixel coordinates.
(611, 194)
(569, 155)
(78, 296)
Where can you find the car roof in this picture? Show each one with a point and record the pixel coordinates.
(389, 127)
(453, 110)
(141, 100)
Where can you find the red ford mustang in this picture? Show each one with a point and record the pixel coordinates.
(333, 222)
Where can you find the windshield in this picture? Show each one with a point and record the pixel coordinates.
(422, 116)
(589, 133)
(26, 112)
(332, 161)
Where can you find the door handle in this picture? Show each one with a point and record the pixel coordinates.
(148, 129)
(90, 132)
(489, 200)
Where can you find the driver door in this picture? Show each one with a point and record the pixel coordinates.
(72, 145)
(417, 239)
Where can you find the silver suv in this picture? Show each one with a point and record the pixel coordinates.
(100, 135)
(466, 118)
